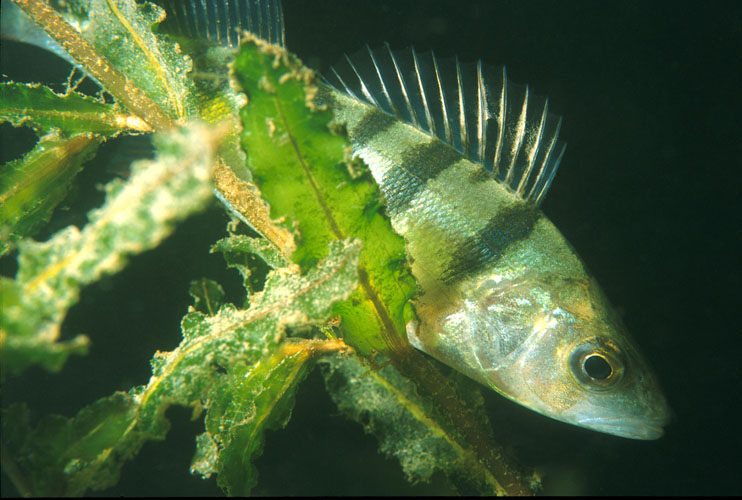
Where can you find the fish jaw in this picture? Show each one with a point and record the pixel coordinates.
(636, 428)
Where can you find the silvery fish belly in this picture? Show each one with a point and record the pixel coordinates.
(463, 157)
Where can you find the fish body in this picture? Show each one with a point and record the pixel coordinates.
(503, 297)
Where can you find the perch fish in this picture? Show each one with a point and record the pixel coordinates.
(463, 157)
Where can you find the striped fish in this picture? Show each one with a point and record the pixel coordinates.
(463, 157)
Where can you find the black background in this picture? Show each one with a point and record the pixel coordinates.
(647, 193)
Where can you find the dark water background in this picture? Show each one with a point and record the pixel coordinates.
(647, 193)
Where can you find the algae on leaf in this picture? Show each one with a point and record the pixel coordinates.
(407, 425)
(31, 187)
(121, 31)
(136, 216)
(38, 107)
(237, 364)
(70, 126)
(208, 296)
(300, 169)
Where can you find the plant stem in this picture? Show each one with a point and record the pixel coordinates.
(431, 382)
(115, 82)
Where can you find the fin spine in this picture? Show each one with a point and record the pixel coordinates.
(534, 152)
(501, 119)
(482, 109)
(222, 22)
(494, 123)
(426, 108)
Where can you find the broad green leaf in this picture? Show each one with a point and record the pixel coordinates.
(237, 364)
(136, 216)
(31, 187)
(299, 167)
(121, 31)
(38, 107)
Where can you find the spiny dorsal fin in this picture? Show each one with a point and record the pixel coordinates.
(471, 107)
(223, 21)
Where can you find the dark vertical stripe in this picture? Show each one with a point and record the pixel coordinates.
(417, 165)
(480, 175)
(373, 123)
(511, 224)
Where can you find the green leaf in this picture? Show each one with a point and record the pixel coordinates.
(65, 457)
(252, 257)
(241, 244)
(244, 404)
(407, 425)
(208, 296)
(136, 216)
(237, 364)
(32, 187)
(121, 31)
(299, 167)
(38, 107)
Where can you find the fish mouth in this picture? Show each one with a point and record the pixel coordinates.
(632, 428)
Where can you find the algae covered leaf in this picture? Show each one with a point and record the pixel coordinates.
(121, 30)
(236, 363)
(31, 187)
(136, 216)
(40, 108)
(300, 169)
(70, 127)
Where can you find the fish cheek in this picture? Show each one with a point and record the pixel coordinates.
(546, 373)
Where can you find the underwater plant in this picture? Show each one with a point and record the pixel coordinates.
(350, 190)
(238, 365)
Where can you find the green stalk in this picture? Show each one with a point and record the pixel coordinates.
(95, 64)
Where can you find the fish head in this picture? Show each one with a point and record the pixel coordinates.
(578, 364)
(555, 346)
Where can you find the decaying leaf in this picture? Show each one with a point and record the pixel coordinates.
(136, 216)
(237, 364)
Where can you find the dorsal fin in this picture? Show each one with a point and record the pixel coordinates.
(223, 21)
(471, 107)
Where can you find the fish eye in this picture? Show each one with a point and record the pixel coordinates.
(597, 364)
(597, 367)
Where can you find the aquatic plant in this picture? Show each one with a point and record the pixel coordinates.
(338, 280)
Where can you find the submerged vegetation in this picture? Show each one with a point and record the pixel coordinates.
(335, 297)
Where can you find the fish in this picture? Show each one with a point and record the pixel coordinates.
(463, 158)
